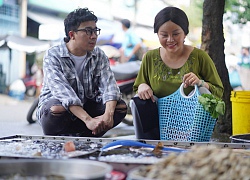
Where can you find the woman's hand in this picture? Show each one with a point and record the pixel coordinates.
(145, 92)
(190, 79)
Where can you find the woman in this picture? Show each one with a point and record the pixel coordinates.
(165, 68)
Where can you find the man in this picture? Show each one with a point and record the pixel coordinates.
(131, 44)
(80, 96)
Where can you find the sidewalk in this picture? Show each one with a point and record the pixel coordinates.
(13, 120)
(13, 117)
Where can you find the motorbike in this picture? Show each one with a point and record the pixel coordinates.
(33, 83)
(31, 86)
(125, 75)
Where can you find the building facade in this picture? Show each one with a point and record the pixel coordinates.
(9, 24)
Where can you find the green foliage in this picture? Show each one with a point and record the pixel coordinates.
(212, 104)
(239, 10)
(194, 13)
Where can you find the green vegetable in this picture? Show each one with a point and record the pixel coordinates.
(212, 104)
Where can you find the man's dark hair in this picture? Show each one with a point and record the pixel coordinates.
(75, 18)
(173, 14)
(126, 23)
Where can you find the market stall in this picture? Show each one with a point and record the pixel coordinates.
(122, 155)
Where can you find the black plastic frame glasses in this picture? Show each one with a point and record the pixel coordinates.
(90, 31)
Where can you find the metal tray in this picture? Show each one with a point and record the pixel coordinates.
(91, 145)
(240, 138)
(44, 147)
(53, 169)
(104, 141)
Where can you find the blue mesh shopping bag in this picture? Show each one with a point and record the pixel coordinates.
(182, 117)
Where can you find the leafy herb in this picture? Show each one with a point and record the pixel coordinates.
(212, 104)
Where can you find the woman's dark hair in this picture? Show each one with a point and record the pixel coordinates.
(75, 18)
(173, 14)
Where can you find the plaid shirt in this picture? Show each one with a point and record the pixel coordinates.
(62, 82)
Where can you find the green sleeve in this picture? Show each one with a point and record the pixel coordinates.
(208, 72)
(142, 76)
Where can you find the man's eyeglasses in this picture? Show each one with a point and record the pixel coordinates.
(90, 31)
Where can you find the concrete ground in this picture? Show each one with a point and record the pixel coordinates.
(13, 121)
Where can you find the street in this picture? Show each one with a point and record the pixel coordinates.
(13, 120)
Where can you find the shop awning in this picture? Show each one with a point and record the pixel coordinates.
(24, 44)
(50, 28)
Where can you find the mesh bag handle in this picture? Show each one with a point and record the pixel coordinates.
(183, 118)
(193, 93)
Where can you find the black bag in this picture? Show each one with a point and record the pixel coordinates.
(148, 112)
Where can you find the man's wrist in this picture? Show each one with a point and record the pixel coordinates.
(110, 113)
(85, 118)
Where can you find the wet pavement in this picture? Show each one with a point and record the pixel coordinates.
(13, 121)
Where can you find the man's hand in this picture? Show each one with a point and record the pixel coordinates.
(96, 125)
(107, 120)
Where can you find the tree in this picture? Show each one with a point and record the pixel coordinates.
(213, 43)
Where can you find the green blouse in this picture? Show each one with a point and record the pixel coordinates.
(164, 81)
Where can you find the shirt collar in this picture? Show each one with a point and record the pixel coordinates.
(65, 52)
